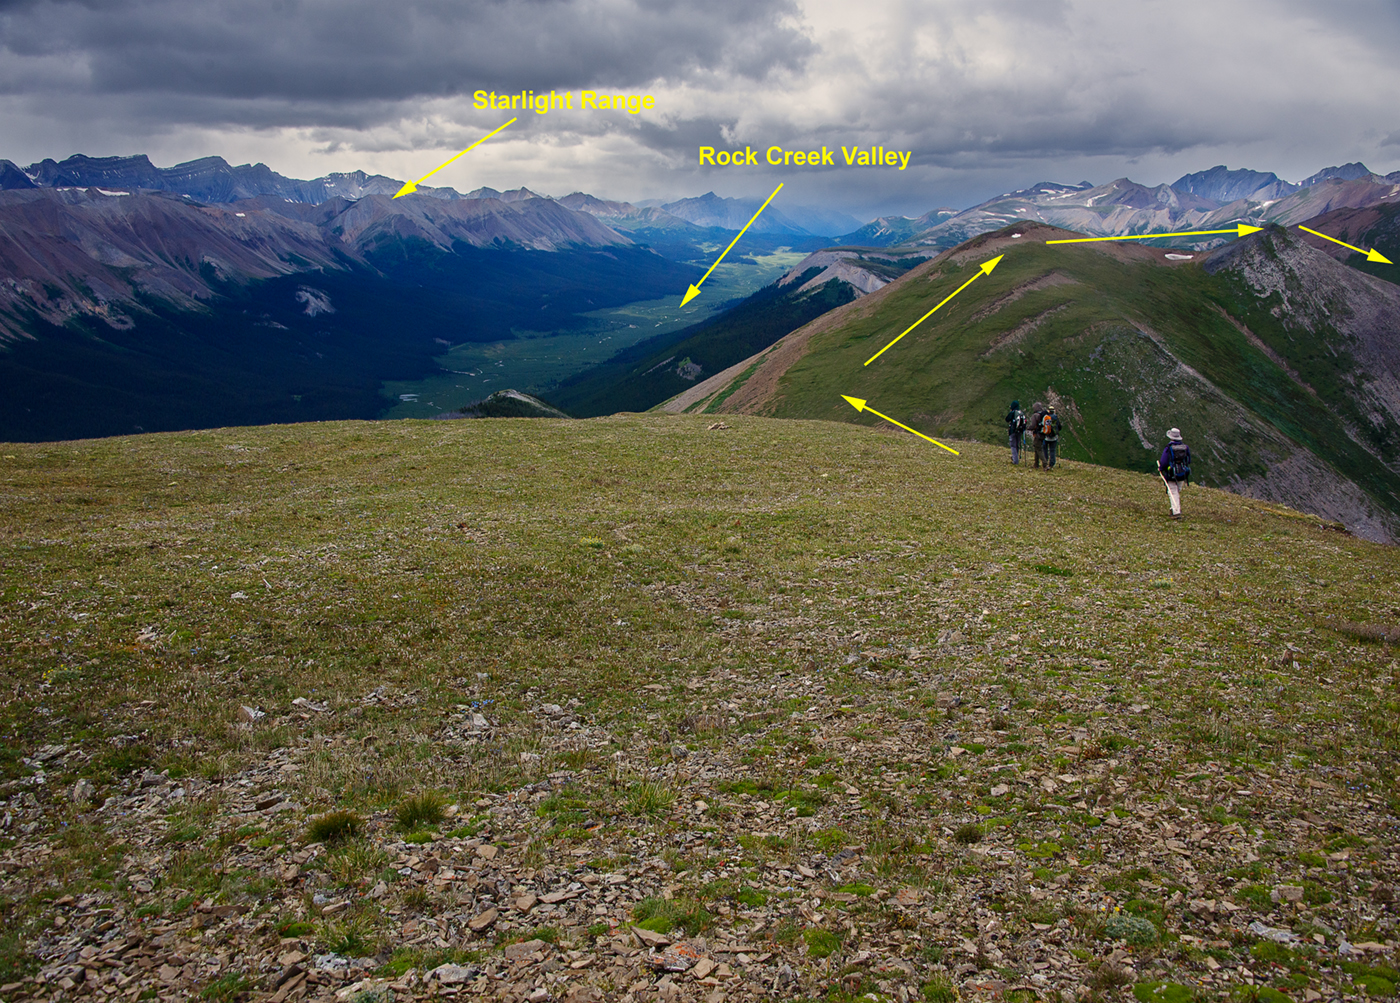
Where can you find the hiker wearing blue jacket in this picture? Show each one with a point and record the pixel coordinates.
(1174, 466)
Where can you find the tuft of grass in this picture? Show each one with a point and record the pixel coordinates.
(821, 943)
(830, 840)
(334, 827)
(969, 832)
(421, 811)
(226, 987)
(577, 759)
(1109, 977)
(664, 915)
(650, 798)
(1052, 569)
(938, 990)
(351, 937)
(354, 860)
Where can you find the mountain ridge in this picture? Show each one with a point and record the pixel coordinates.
(1273, 358)
(1210, 199)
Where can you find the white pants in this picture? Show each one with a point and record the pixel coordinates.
(1174, 495)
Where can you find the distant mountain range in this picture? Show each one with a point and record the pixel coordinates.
(1207, 200)
(213, 179)
(1203, 200)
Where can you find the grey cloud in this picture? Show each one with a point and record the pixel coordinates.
(356, 54)
(990, 96)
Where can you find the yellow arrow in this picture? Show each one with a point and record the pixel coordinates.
(985, 269)
(1371, 255)
(1242, 230)
(694, 290)
(412, 186)
(860, 405)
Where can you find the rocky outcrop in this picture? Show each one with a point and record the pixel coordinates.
(848, 266)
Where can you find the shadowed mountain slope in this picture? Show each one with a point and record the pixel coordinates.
(145, 311)
(69, 253)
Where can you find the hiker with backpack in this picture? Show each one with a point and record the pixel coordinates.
(1015, 430)
(1050, 434)
(1037, 438)
(1174, 467)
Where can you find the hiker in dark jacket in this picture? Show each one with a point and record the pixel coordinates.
(1174, 466)
(1015, 430)
(1050, 431)
(1037, 439)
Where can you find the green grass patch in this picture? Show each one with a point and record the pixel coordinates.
(662, 915)
(821, 943)
(1164, 992)
(226, 987)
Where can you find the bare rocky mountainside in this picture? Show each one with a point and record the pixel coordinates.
(1279, 363)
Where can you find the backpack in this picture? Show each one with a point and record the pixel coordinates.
(1016, 421)
(1047, 425)
(1181, 461)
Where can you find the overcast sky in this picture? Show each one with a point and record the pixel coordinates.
(990, 95)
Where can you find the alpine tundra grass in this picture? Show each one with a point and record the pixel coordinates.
(823, 707)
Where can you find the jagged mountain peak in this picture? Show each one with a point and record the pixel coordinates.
(11, 177)
(1223, 185)
(1346, 172)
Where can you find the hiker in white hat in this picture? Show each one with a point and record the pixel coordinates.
(1174, 466)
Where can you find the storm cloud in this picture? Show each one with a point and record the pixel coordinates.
(989, 96)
